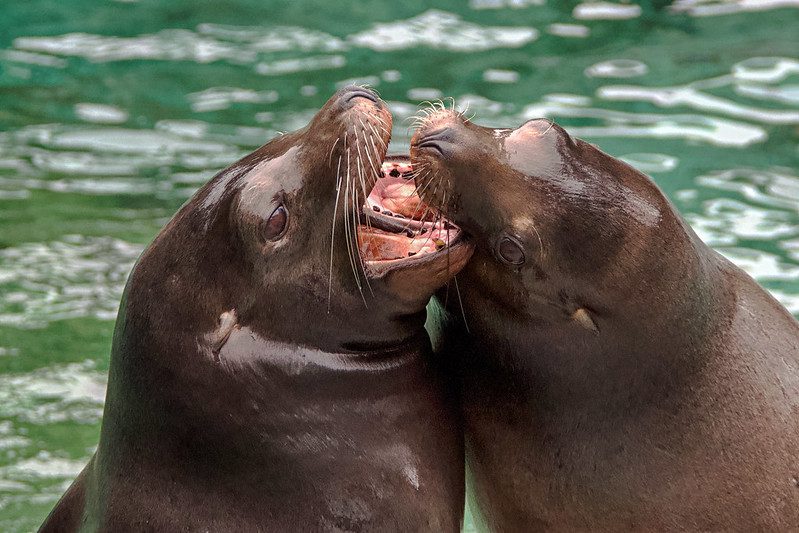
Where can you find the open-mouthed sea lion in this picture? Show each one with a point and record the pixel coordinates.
(617, 373)
(270, 370)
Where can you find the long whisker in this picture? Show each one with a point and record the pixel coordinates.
(435, 221)
(551, 123)
(333, 234)
(368, 155)
(460, 303)
(379, 137)
(350, 231)
(330, 156)
(417, 192)
(356, 207)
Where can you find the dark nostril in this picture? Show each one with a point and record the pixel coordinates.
(432, 145)
(434, 140)
(443, 134)
(351, 93)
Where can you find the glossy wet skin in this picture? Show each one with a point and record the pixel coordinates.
(614, 369)
(540, 207)
(259, 354)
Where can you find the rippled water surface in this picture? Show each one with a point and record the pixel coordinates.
(113, 113)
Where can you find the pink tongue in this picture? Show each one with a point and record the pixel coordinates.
(397, 194)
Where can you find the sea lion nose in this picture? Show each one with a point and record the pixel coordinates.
(436, 140)
(353, 92)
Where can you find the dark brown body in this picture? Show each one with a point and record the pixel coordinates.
(280, 446)
(252, 387)
(623, 376)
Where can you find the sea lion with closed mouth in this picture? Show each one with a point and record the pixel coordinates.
(270, 370)
(617, 373)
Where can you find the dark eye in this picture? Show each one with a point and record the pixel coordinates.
(510, 251)
(273, 228)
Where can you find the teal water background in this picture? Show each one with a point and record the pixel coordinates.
(113, 113)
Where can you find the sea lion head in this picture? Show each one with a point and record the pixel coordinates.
(566, 235)
(280, 243)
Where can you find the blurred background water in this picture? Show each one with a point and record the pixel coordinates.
(113, 112)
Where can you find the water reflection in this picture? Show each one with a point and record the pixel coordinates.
(777, 187)
(73, 278)
(705, 128)
(617, 68)
(440, 29)
(710, 8)
(606, 11)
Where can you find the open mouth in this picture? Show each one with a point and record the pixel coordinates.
(396, 225)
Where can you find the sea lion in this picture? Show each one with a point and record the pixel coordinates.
(269, 369)
(617, 373)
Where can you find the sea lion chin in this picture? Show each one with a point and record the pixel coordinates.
(270, 369)
(617, 373)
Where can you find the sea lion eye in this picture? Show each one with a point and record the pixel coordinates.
(273, 227)
(510, 251)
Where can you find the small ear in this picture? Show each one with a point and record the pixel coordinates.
(582, 317)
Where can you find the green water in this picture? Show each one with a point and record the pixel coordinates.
(113, 113)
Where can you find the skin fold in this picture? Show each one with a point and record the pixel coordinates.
(616, 373)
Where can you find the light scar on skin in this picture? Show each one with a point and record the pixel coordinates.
(217, 338)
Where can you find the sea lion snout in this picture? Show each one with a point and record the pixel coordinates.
(441, 140)
(437, 133)
(353, 96)
(352, 92)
